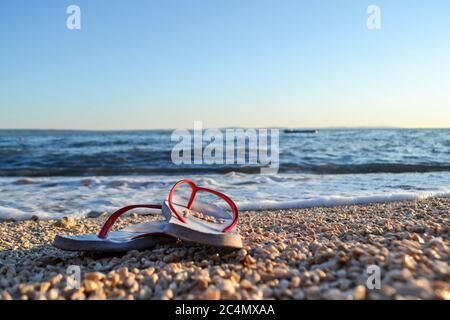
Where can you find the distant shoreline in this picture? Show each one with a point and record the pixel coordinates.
(223, 128)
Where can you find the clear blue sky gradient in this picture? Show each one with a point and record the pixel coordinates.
(253, 63)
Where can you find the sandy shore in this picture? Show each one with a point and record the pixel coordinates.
(319, 253)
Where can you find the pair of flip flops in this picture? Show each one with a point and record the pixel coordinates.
(186, 217)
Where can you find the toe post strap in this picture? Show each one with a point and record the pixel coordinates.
(195, 189)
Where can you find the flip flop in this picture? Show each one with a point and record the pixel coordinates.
(136, 237)
(194, 221)
(201, 222)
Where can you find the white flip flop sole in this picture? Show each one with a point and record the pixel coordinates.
(136, 237)
(199, 231)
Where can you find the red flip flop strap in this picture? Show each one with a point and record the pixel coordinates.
(195, 189)
(230, 203)
(109, 223)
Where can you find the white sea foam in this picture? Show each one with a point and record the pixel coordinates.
(12, 213)
(54, 197)
(331, 201)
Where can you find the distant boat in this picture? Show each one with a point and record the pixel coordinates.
(300, 131)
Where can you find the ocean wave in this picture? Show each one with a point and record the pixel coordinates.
(331, 201)
(54, 197)
(365, 168)
(87, 166)
(8, 213)
(54, 173)
(340, 151)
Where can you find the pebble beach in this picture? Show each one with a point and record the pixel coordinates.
(316, 253)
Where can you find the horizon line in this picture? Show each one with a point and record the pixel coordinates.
(227, 127)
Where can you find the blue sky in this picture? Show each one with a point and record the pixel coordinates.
(253, 63)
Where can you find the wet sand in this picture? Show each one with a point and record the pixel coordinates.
(317, 253)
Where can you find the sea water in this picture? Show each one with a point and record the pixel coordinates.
(51, 174)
